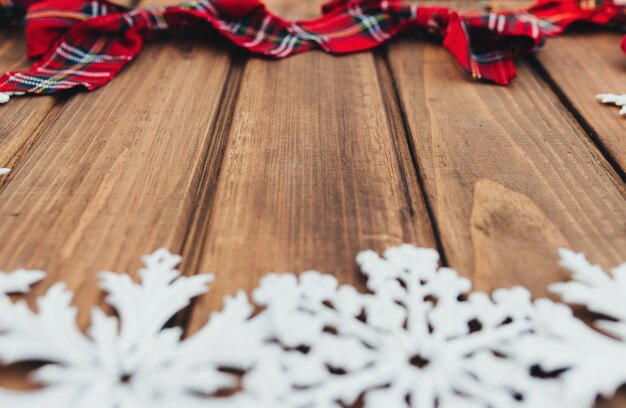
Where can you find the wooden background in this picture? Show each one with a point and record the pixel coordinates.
(247, 166)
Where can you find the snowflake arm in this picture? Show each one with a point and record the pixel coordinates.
(581, 359)
(588, 356)
(595, 289)
(4, 171)
(230, 339)
(50, 335)
(144, 308)
(19, 281)
(617, 100)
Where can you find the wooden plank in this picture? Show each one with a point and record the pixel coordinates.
(116, 174)
(296, 10)
(580, 64)
(508, 172)
(316, 168)
(21, 117)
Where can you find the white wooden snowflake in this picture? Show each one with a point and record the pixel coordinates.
(419, 337)
(18, 281)
(414, 341)
(130, 361)
(4, 171)
(614, 99)
(598, 362)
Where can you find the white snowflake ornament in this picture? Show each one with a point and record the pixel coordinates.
(614, 99)
(598, 361)
(418, 338)
(598, 291)
(130, 361)
(4, 171)
(414, 341)
(19, 281)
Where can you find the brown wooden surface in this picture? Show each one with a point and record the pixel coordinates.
(117, 171)
(581, 65)
(585, 62)
(316, 168)
(20, 120)
(247, 166)
(509, 173)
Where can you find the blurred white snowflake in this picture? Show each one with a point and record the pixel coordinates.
(130, 361)
(18, 281)
(614, 99)
(418, 338)
(6, 96)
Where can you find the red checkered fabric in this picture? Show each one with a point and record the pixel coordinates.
(85, 43)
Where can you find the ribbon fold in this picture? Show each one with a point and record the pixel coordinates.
(85, 43)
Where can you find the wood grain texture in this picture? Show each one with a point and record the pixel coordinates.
(248, 166)
(509, 173)
(296, 10)
(116, 174)
(21, 118)
(583, 64)
(316, 169)
(580, 64)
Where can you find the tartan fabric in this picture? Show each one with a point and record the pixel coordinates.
(85, 43)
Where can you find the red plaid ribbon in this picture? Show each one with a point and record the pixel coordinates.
(84, 43)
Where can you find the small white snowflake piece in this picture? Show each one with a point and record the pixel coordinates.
(617, 100)
(598, 291)
(6, 96)
(4, 171)
(19, 281)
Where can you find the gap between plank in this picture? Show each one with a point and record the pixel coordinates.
(213, 155)
(390, 88)
(543, 73)
(398, 135)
